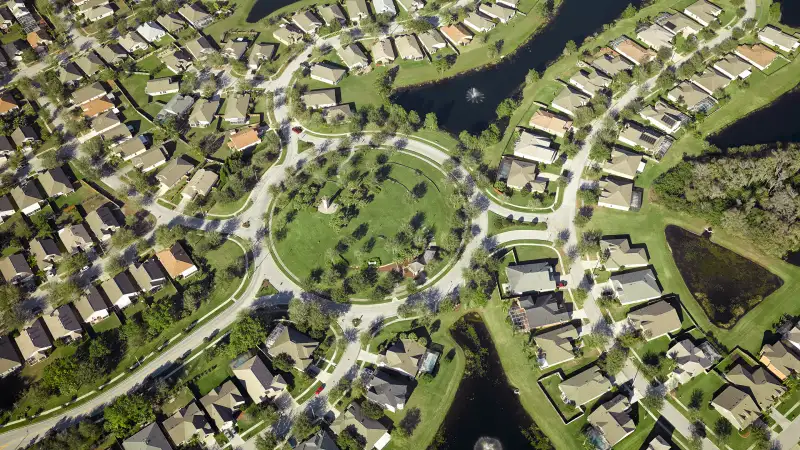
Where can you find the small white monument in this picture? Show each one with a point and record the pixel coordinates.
(326, 207)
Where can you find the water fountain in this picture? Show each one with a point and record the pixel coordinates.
(474, 95)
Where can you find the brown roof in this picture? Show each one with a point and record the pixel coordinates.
(457, 33)
(96, 106)
(7, 103)
(244, 139)
(175, 260)
(760, 54)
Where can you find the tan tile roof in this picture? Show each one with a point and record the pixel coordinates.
(244, 139)
(175, 260)
(96, 106)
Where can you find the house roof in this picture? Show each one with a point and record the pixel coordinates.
(194, 13)
(130, 147)
(641, 136)
(14, 265)
(319, 441)
(679, 23)
(221, 403)
(172, 22)
(204, 110)
(23, 133)
(741, 406)
(148, 438)
(104, 122)
(90, 63)
(779, 357)
(761, 384)
(151, 31)
(536, 276)
(256, 378)
(621, 254)
(550, 122)
(161, 85)
(408, 46)
(244, 139)
(585, 386)
(63, 321)
(132, 41)
(662, 113)
(777, 36)
(196, 47)
(295, 344)
(95, 107)
(758, 53)
(557, 344)
(117, 287)
(201, 183)
(319, 97)
(7, 103)
(478, 22)
(111, 53)
(690, 94)
(150, 158)
(611, 62)
(26, 195)
(405, 355)
(496, 11)
(262, 51)
(656, 319)
(87, 93)
(235, 48)
(457, 33)
(331, 13)
(174, 171)
(705, 10)
(356, 8)
(383, 50)
(287, 35)
(656, 37)
(533, 146)
(187, 422)
(55, 181)
(100, 219)
(33, 339)
(90, 303)
(307, 21)
(591, 82)
(570, 99)
(623, 163)
(147, 274)
(546, 309)
(9, 359)
(370, 429)
(238, 107)
(613, 419)
(384, 7)
(328, 72)
(353, 56)
(636, 286)
(432, 39)
(98, 12)
(5, 204)
(42, 250)
(616, 191)
(711, 80)
(732, 65)
(520, 173)
(388, 388)
(691, 359)
(175, 260)
(633, 51)
(177, 61)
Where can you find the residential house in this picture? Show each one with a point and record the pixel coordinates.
(536, 276)
(10, 361)
(478, 23)
(679, 23)
(411, 5)
(781, 360)
(149, 160)
(285, 339)
(39, 40)
(634, 52)
(551, 123)
(327, 73)
(612, 419)
(177, 262)
(383, 51)
(353, 57)
(338, 113)
(27, 198)
(321, 440)
(148, 438)
(92, 307)
(534, 147)
(244, 139)
(656, 37)
(103, 223)
(320, 98)
(101, 12)
(655, 320)
(737, 406)
(497, 11)
(203, 113)
(758, 382)
(131, 149)
(703, 11)
(591, 82)
(259, 383)
(374, 433)
(7, 104)
(432, 40)
(176, 170)
(94, 108)
(384, 7)
(691, 360)
(332, 13)
(733, 67)
(14, 49)
(777, 38)
(148, 275)
(691, 96)
(199, 48)
(405, 356)
(25, 136)
(151, 31)
(112, 53)
(636, 287)
(186, 423)
(177, 61)
(33, 342)
(56, 183)
(287, 35)
(408, 47)
(237, 109)
(611, 63)
(200, 184)
(6, 208)
(63, 324)
(663, 116)
(88, 93)
(616, 193)
(161, 86)
(132, 42)
(15, 268)
(196, 15)
(758, 55)
(235, 49)
(100, 124)
(569, 100)
(508, 3)
(618, 254)
(584, 387)
(223, 404)
(45, 252)
(624, 164)
(520, 174)
(528, 312)
(120, 290)
(260, 52)
(646, 139)
(307, 21)
(357, 10)
(172, 22)
(557, 345)
(457, 34)
(710, 81)
(389, 389)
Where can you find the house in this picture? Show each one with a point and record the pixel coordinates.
(10, 361)
(690, 360)
(777, 38)
(88, 93)
(149, 160)
(327, 73)
(7, 148)
(39, 40)
(132, 42)
(678, 23)
(148, 275)
(758, 55)
(131, 149)
(103, 223)
(663, 116)
(411, 5)
(710, 81)
(616, 193)
(457, 34)
(636, 287)
(357, 10)
(260, 52)
(235, 49)
(91, 306)
(24, 136)
(223, 404)
(611, 63)
(551, 123)
(633, 52)
(617, 254)
(591, 82)
(737, 406)
(6, 208)
(96, 107)
(691, 96)
(764, 387)
(384, 7)
(320, 98)
(624, 164)
(112, 53)
(508, 3)
(188, 422)
(120, 290)
(405, 356)
(237, 111)
(353, 57)
(55, 183)
(332, 13)
(307, 21)
(15, 268)
(63, 324)
(14, 49)
(321, 440)
(584, 387)
(542, 311)
(389, 389)
(537, 276)
(408, 47)
(557, 345)
(151, 31)
(148, 438)
(27, 198)
(337, 113)
(646, 139)
(161, 86)
(534, 147)
(703, 11)
(195, 15)
(287, 36)
(374, 433)
(519, 174)
(478, 23)
(655, 320)
(383, 51)
(7, 104)
(33, 342)
(569, 100)
(172, 22)
(285, 339)
(612, 419)
(176, 170)
(199, 48)
(497, 11)
(101, 12)
(200, 184)
(259, 383)
(656, 37)
(242, 140)
(432, 40)
(45, 252)
(177, 262)
(781, 360)
(177, 61)
(733, 67)
(203, 113)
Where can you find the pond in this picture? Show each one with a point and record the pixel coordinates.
(790, 13)
(576, 20)
(766, 125)
(485, 407)
(726, 284)
(263, 8)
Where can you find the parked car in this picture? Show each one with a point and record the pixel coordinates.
(297, 130)
(319, 389)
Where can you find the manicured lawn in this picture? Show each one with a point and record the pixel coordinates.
(213, 379)
(550, 385)
(109, 323)
(788, 402)
(135, 85)
(181, 399)
(657, 346)
(637, 439)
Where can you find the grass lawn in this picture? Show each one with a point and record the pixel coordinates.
(181, 399)
(788, 402)
(637, 439)
(550, 385)
(214, 378)
(657, 346)
(109, 323)
(135, 85)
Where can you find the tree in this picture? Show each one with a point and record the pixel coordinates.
(614, 360)
(629, 12)
(431, 122)
(26, 87)
(167, 235)
(303, 427)
(349, 439)
(418, 25)
(247, 333)
(309, 317)
(653, 400)
(283, 362)
(723, 429)
(134, 333)
(63, 292)
(266, 441)
(443, 64)
(506, 108)
(67, 374)
(73, 263)
(570, 48)
(410, 422)
(532, 77)
(372, 410)
(126, 414)
(29, 56)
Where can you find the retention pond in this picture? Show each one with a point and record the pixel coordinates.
(263, 8)
(774, 123)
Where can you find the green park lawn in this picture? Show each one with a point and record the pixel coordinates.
(499, 224)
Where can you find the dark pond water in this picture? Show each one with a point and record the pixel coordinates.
(775, 123)
(576, 20)
(263, 8)
(485, 405)
(790, 12)
(726, 284)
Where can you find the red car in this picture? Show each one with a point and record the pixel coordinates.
(297, 130)
(561, 283)
(319, 389)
